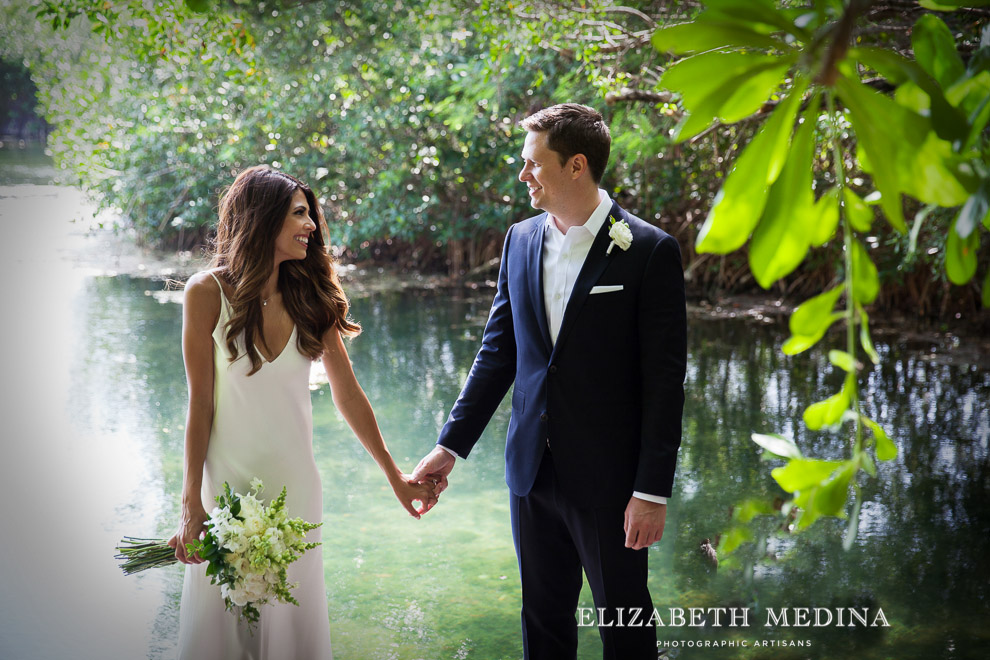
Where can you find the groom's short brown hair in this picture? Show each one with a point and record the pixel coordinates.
(574, 129)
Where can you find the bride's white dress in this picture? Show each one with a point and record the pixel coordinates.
(262, 427)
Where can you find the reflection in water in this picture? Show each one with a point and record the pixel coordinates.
(446, 586)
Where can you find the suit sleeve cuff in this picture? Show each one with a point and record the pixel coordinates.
(658, 499)
(450, 451)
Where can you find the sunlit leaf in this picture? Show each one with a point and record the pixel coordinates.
(814, 316)
(902, 152)
(829, 412)
(827, 212)
(723, 85)
(860, 215)
(742, 198)
(831, 496)
(763, 12)
(782, 237)
(960, 256)
(886, 449)
(949, 122)
(866, 280)
(777, 445)
(935, 49)
(985, 293)
(842, 360)
(703, 35)
(802, 473)
(864, 335)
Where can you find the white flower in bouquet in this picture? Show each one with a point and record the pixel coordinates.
(247, 545)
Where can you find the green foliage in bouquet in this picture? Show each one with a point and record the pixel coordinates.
(248, 547)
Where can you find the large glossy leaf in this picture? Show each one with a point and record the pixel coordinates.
(810, 321)
(860, 215)
(960, 256)
(831, 497)
(830, 411)
(760, 12)
(950, 5)
(711, 34)
(886, 449)
(783, 235)
(827, 212)
(949, 122)
(723, 85)
(935, 49)
(801, 473)
(866, 280)
(902, 152)
(742, 198)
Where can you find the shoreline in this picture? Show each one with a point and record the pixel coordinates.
(962, 345)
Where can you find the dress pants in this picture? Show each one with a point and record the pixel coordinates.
(554, 539)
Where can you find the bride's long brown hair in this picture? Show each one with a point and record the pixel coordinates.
(252, 212)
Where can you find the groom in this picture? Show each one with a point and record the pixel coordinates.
(589, 324)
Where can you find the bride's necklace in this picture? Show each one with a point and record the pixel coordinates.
(264, 301)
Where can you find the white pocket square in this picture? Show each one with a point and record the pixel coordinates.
(605, 289)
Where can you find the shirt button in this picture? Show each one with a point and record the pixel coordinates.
(544, 417)
(553, 368)
(556, 296)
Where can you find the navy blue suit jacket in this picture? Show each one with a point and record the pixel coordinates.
(609, 394)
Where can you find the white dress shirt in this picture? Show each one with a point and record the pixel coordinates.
(563, 257)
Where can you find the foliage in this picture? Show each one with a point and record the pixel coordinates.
(927, 140)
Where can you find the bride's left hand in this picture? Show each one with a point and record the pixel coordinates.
(408, 491)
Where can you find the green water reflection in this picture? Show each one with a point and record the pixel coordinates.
(446, 586)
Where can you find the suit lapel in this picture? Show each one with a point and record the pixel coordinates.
(594, 265)
(535, 278)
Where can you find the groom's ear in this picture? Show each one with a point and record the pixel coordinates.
(577, 165)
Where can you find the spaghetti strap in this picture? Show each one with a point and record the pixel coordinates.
(216, 279)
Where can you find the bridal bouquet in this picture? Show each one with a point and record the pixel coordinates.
(248, 547)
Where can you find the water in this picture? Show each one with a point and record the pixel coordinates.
(93, 404)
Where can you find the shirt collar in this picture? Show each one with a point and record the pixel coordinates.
(597, 218)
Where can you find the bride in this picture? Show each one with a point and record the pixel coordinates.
(252, 324)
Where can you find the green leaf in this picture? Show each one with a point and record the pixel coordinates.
(985, 293)
(827, 210)
(760, 12)
(734, 538)
(199, 6)
(901, 151)
(952, 5)
(866, 281)
(740, 202)
(831, 497)
(864, 335)
(710, 34)
(935, 49)
(777, 445)
(974, 211)
(949, 122)
(811, 320)
(886, 449)
(860, 215)
(842, 360)
(751, 508)
(723, 85)
(829, 412)
(960, 256)
(802, 473)
(782, 238)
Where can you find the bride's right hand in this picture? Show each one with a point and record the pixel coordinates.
(192, 523)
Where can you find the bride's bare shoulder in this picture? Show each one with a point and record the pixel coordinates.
(203, 292)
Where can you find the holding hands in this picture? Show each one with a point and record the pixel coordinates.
(432, 471)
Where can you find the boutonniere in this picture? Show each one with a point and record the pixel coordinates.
(621, 235)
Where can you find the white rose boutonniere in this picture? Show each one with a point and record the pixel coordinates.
(621, 235)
